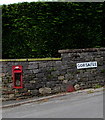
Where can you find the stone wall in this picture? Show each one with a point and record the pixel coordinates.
(50, 76)
(88, 77)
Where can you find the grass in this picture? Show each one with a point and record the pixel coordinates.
(90, 91)
(97, 86)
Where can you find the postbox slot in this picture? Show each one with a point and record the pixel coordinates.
(17, 69)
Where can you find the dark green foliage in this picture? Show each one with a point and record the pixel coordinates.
(40, 29)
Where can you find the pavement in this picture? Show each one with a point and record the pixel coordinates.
(87, 104)
(14, 103)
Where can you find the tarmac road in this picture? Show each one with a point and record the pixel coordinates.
(69, 106)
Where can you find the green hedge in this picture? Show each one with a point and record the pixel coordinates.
(40, 29)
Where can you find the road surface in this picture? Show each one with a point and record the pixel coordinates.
(81, 105)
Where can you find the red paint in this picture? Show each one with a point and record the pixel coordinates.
(70, 89)
(17, 76)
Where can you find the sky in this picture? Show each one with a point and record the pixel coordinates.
(6, 2)
(14, 1)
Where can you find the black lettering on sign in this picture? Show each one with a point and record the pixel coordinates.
(86, 65)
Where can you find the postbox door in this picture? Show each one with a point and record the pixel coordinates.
(18, 80)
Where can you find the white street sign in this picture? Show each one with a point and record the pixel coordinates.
(86, 65)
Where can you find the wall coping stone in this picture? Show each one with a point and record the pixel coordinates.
(81, 50)
(33, 59)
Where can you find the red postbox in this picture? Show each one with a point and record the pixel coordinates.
(17, 76)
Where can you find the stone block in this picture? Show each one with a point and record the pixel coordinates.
(32, 66)
(32, 81)
(58, 63)
(50, 84)
(60, 77)
(34, 92)
(11, 96)
(45, 90)
(55, 73)
(56, 89)
(65, 81)
(29, 86)
(40, 75)
(39, 85)
(26, 94)
(5, 96)
(8, 92)
(10, 85)
(63, 88)
(50, 64)
(68, 76)
(35, 70)
(2, 74)
(77, 87)
(18, 95)
(42, 65)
